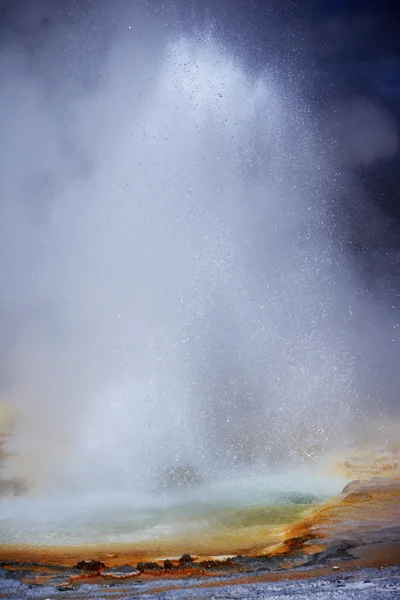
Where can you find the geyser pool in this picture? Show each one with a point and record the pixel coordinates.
(224, 517)
(176, 296)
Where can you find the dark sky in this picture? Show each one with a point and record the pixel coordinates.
(357, 38)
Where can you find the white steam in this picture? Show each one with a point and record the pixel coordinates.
(172, 294)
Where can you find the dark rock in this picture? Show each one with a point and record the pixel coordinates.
(168, 566)
(296, 544)
(148, 566)
(336, 551)
(210, 564)
(257, 563)
(9, 563)
(92, 566)
(186, 559)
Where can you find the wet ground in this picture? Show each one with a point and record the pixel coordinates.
(383, 583)
(348, 547)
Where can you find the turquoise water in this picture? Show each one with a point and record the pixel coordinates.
(126, 517)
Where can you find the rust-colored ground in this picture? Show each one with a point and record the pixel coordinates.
(363, 507)
(364, 515)
(369, 557)
(281, 576)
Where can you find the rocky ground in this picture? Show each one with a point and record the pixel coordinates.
(383, 583)
(348, 547)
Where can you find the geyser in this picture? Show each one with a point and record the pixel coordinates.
(175, 297)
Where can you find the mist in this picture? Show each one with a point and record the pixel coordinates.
(176, 286)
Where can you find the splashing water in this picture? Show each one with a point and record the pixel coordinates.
(171, 238)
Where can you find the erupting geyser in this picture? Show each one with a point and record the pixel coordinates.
(176, 304)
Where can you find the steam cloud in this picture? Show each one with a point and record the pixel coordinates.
(173, 288)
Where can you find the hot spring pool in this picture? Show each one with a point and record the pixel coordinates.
(226, 517)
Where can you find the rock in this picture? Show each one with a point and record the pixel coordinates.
(168, 566)
(336, 551)
(210, 564)
(185, 560)
(258, 563)
(148, 566)
(92, 566)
